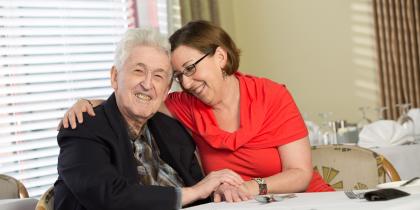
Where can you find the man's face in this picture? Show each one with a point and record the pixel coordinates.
(143, 83)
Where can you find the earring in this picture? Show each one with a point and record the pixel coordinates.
(224, 73)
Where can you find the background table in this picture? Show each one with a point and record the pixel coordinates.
(405, 158)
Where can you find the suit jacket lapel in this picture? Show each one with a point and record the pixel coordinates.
(116, 121)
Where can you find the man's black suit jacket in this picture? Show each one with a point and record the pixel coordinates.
(97, 169)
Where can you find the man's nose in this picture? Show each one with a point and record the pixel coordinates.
(146, 83)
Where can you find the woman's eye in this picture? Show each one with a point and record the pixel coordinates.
(189, 68)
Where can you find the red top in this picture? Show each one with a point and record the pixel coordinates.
(268, 118)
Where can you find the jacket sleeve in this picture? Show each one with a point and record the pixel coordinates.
(86, 166)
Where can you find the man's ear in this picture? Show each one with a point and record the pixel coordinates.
(221, 56)
(114, 78)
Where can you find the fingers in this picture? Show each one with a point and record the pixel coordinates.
(234, 176)
(72, 119)
(227, 194)
(217, 197)
(79, 116)
(65, 120)
(243, 196)
(232, 179)
(90, 110)
(230, 193)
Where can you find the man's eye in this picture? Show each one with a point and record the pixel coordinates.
(160, 76)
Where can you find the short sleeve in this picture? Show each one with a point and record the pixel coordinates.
(283, 113)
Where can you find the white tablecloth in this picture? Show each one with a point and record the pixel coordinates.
(18, 204)
(322, 201)
(405, 159)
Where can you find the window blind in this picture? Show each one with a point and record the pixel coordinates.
(52, 53)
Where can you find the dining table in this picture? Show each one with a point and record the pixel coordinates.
(322, 201)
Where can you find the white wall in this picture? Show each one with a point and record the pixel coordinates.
(312, 46)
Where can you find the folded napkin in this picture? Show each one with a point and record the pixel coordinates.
(384, 133)
(313, 130)
(415, 115)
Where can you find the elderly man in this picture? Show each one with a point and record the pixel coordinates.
(126, 157)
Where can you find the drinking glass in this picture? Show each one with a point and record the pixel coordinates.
(380, 112)
(364, 121)
(327, 135)
(406, 121)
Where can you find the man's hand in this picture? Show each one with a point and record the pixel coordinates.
(209, 184)
(229, 193)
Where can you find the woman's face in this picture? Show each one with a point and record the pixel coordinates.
(207, 81)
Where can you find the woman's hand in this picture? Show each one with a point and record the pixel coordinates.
(76, 112)
(229, 193)
(209, 184)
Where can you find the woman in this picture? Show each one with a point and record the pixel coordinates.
(248, 124)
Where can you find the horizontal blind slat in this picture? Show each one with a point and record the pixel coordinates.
(43, 135)
(57, 96)
(69, 77)
(54, 31)
(62, 22)
(61, 12)
(54, 68)
(18, 41)
(52, 86)
(28, 117)
(30, 155)
(45, 171)
(51, 50)
(29, 164)
(42, 59)
(26, 145)
(64, 4)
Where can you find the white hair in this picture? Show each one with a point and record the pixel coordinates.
(139, 37)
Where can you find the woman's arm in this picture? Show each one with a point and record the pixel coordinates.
(75, 113)
(296, 170)
(295, 176)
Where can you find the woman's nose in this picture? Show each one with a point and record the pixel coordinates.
(186, 82)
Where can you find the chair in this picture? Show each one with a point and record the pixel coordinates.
(11, 188)
(347, 167)
(46, 202)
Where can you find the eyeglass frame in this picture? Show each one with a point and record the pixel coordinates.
(185, 72)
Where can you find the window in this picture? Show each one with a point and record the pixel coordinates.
(52, 53)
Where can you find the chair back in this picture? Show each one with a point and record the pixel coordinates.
(11, 188)
(347, 167)
(46, 202)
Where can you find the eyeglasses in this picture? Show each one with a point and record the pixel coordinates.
(188, 70)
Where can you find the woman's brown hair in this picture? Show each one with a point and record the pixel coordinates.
(206, 37)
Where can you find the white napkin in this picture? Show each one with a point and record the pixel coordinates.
(313, 130)
(415, 115)
(384, 133)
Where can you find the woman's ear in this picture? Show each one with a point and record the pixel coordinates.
(114, 79)
(221, 56)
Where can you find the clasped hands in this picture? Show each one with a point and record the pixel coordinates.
(230, 193)
(224, 185)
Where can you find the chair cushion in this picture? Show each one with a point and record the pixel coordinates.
(8, 187)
